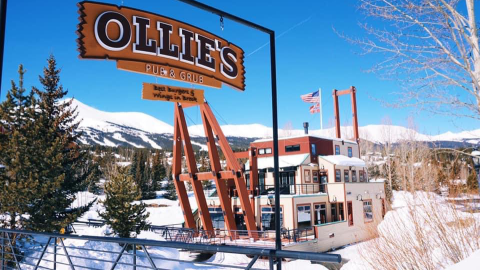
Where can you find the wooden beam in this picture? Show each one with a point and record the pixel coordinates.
(192, 168)
(232, 163)
(337, 114)
(225, 202)
(176, 170)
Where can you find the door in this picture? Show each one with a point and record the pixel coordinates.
(291, 182)
(350, 213)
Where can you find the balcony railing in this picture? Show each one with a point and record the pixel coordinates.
(298, 189)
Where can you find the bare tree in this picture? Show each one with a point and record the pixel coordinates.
(387, 137)
(433, 47)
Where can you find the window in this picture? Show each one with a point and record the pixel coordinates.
(338, 176)
(314, 149)
(341, 213)
(354, 176)
(367, 211)
(350, 154)
(333, 212)
(315, 176)
(292, 148)
(261, 182)
(303, 216)
(320, 214)
(350, 213)
(361, 176)
(383, 208)
(263, 151)
(346, 174)
(306, 174)
(216, 214)
(247, 180)
(268, 217)
(337, 149)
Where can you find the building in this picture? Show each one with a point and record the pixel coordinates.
(325, 192)
(326, 197)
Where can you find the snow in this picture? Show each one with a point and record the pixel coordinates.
(344, 160)
(470, 263)
(141, 123)
(108, 121)
(284, 161)
(399, 223)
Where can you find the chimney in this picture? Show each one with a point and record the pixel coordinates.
(305, 126)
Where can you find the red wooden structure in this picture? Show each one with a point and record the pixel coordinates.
(336, 93)
(221, 177)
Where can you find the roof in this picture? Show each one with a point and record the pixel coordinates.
(307, 135)
(283, 161)
(344, 160)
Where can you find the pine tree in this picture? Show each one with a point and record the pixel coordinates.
(120, 213)
(62, 167)
(18, 178)
(170, 191)
(158, 171)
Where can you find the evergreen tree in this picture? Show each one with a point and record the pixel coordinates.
(170, 191)
(158, 171)
(62, 167)
(120, 213)
(18, 178)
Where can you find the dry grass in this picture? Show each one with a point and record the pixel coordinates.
(427, 233)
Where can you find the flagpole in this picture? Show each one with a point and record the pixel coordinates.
(319, 105)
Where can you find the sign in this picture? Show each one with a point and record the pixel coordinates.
(168, 73)
(124, 34)
(153, 91)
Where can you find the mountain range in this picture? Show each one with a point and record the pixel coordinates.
(141, 130)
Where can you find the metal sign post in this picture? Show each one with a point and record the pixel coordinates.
(3, 18)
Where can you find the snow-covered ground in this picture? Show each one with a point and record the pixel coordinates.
(410, 220)
(167, 212)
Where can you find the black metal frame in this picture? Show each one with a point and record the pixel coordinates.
(3, 18)
(273, 74)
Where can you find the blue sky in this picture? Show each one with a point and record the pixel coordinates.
(310, 55)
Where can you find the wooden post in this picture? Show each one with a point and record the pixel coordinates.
(177, 170)
(354, 112)
(337, 114)
(192, 168)
(225, 201)
(235, 167)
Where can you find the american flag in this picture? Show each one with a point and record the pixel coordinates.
(315, 108)
(311, 98)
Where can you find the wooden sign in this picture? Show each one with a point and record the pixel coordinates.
(168, 73)
(153, 91)
(125, 34)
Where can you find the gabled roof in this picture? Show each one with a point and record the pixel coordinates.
(283, 161)
(344, 160)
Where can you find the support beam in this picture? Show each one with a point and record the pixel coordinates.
(192, 168)
(337, 114)
(355, 116)
(253, 175)
(176, 171)
(225, 202)
(232, 163)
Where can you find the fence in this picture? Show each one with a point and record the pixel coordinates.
(32, 250)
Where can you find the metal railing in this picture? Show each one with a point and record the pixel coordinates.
(176, 233)
(293, 189)
(33, 250)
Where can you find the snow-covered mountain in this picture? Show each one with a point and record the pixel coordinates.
(142, 130)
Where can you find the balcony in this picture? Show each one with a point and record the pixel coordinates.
(297, 189)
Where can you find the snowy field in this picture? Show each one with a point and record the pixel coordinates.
(167, 212)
